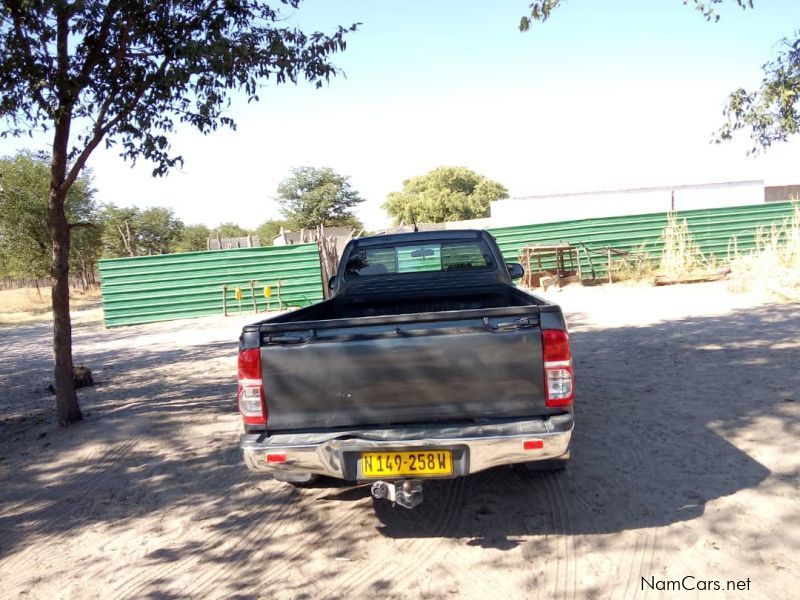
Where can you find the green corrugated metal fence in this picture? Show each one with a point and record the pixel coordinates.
(175, 286)
(143, 289)
(711, 229)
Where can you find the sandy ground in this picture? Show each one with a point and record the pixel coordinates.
(685, 464)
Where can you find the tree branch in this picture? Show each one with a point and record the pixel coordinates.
(25, 44)
(62, 56)
(100, 130)
(94, 54)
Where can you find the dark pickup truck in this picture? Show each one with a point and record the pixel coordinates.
(426, 362)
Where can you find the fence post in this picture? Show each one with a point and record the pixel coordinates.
(253, 294)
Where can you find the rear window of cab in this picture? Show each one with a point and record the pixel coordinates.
(420, 257)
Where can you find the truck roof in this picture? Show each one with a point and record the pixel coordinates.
(421, 236)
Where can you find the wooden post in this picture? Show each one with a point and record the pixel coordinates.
(609, 264)
(589, 259)
(560, 262)
(280, 302)
(253, 294)
(528, 266)
(225, 300)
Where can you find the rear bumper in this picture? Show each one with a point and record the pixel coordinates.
(475, 447)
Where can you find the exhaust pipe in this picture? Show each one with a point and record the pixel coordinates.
(407, 494)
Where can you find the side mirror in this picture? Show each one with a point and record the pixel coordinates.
(515, 270)
(331, 282)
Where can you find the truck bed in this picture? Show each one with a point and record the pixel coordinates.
(460, 357)
(350, 308)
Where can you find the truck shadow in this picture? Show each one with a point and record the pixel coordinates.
(662, 417)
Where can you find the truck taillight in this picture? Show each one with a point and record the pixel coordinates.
(251, 400)
(558, 377)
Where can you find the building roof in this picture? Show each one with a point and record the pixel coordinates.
(663, 188)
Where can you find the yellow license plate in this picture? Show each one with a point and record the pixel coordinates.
(394, 464)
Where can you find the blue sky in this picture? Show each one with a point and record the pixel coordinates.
(619, 93)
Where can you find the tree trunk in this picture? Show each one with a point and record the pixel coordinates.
(84, 275)
(66, 399)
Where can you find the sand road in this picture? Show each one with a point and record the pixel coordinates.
(685, 468)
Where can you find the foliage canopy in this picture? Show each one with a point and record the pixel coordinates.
(771, 113)
(193, 238)
(130, 71)
(444, 194)
(313, 196)
(270, 228)
(24, 238)
(126, 74)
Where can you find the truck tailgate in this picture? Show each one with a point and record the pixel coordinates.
(404, 372)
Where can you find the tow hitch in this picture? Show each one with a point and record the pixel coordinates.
(407, 494)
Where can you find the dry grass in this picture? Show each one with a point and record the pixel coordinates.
(774, 265)
(634, 267)
(681, 256)
(26, 305)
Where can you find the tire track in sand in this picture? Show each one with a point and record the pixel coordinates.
(264, 522)
(63, 509)
(562, 527)
(557, 571)
(439, 524)
(278, 568)
(455, 561)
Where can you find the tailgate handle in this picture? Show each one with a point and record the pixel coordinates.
(285, 339)
(516, 324)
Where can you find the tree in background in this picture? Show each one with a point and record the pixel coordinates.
(24, 237)
(771, 113)
(444, 194)
(193, 239)
(268, 230)
(229, 230)
(119, 230)
(312, 196)
(86, 242)
(158, 231)
(124, 74)
(131, 231)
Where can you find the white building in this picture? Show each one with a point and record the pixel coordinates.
(586, 205)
